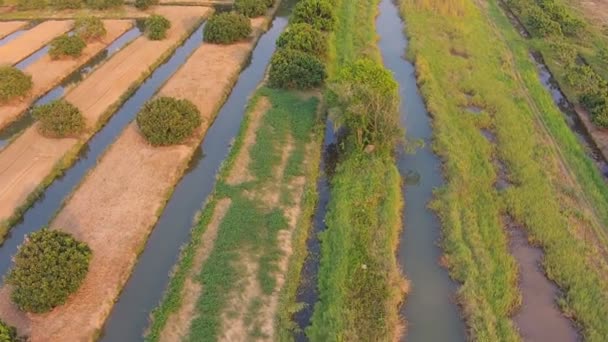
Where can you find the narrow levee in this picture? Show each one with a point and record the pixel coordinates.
(41, 211)
(12, 29)
(26, 120)
(307, 290)
(149, 279)
(430, 310)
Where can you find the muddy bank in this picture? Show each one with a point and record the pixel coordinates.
(47, 73)
(9, 27)
(33, 40)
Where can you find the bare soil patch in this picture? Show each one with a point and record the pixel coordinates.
(47, 73)
(8, 27)
(239, 173)
(117, 204)
(179, 322)
(596, 10)
(33, 40)
(93, 96)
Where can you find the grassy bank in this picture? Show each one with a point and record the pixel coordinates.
(359, 279)
(462, 61)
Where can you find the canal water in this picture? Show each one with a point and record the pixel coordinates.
(43, 210)
(148, 282)
(26, 120)
(430, 311)
(8, 38)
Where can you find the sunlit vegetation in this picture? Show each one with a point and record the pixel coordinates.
(66, 46)
(49, 266)
(66, 4)
(7, 332)
(293, 69)
(318, 13)
(227, 28)
(59, 119)
(145, 4)
(14, 83)
(156, 27)
(252, 8)
(89, 28)
(168, 121)
(475, 56)
(304, 37)
(360, 285)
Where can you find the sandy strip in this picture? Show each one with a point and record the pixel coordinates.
(116, 206)
(93, 96)
(8, 27)
(47, 73)
(32, 40)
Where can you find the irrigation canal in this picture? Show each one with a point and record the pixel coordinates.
(150, 278)
(7, 39)
(43, 210)
(26, 120)
(430, 311)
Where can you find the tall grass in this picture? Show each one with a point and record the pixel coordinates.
(486, 72)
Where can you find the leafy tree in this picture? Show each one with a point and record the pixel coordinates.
(227, 28)
(145, 4)
(103, 4)
(293, 69)
(49, 267)
(7, 333)
(14, 83)
(67, 46)
(168, 121)
(251, 8)
(318, 13)
(365, 99)
(59, 119)
(24, 5)
(66, 4)
(89, 28)
(305, 38)
(156, 27)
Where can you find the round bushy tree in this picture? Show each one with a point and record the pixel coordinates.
(14, 83)
(89, 28)
(305, 38)
(168, 121)
(49, 267)
(7, 332)
(293, 69)
(156, 27)
(145, 4)
(59, 119)
(251, 8)
(103, 4)
(67, 46)
(227, 28)
(318, 13)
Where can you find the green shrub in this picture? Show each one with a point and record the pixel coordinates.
(541, 24)
(103, 4)
(227, 28)
(49, 266)
(318, 13)
(14, 83)
(168, 121)
(293, 69)
(156, 27)
(24, 5)
(67, 46)
(89, 28)
(7, 333)
(59, 119)
(145, 4)
(66, 4)
(305, 38)
(251, 8)
(364, 98)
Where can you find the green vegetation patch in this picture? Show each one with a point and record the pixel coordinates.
(251, 8)
(89, 28)
(7, 333)
(66, 4)
(49, 266)
(303, 37)
(168, 121)
(227, 28)
(318, 13)
(67, 46)
(104, 4)
(145, 4)
(59, 119)
(156, 27)
(293, 69)
(14, 83)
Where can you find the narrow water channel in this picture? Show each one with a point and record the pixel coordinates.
(41, 212)
(145, 288)
(430, 310)
(8, 38)
(307, 290)
(26, 120)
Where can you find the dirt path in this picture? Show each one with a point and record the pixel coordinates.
(93, 96)
(117, 204)
(8, 27)
(33, 40)
(47, 73)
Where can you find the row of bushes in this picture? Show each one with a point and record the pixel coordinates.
(547, 18)
(67, 4)
(252, 8)
(302, 48)
(14, 83)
